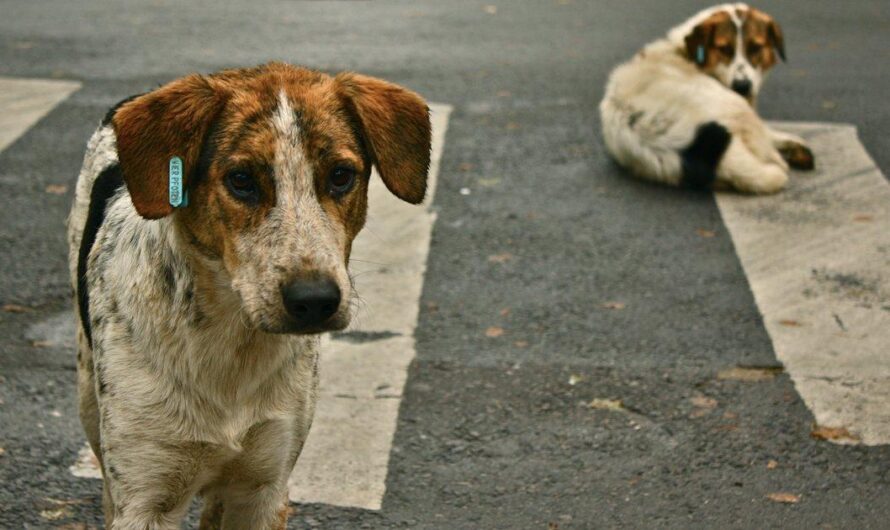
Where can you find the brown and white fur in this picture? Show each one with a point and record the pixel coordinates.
(682, 110)
(197, 345)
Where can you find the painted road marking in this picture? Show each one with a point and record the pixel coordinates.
(817, 258)
(24, 101)
(363, 370)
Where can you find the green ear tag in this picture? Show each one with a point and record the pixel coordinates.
(178, 195)
(700, 54)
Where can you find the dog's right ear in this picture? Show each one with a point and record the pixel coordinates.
(171, 121)
(698, 42)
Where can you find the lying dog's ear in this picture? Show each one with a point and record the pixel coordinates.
(151, 129)
(395, 123)
(776, 39)
(698, 42)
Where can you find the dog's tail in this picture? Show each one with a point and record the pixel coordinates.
(700, 158)
(657, 152)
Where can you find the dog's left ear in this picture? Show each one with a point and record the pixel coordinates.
(776, 39)
(395, 123)
(171, 121)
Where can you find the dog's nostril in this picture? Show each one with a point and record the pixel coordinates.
(311, 302)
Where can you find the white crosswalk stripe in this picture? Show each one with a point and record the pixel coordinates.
(24, 101)
(817, 258)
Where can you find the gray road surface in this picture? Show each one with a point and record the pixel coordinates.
(491, 434)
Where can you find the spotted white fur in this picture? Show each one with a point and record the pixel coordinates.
(242, 400)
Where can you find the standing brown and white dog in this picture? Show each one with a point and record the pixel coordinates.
(682, 110)
(197, 349)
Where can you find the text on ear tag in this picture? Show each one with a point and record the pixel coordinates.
(178, 196)
(700, 54)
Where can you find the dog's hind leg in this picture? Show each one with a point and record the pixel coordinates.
(747, 173)
(639, 143)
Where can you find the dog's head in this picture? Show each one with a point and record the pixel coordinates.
(736, 45)
(276, 161)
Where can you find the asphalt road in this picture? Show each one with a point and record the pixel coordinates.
(491, 434)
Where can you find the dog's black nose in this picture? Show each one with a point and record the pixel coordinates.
(742, 87)
(311, 302)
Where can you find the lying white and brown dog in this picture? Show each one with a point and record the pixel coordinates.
(209, 241)
(682, 110)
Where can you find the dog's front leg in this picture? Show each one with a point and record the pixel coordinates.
(793, 149)
(149, 484)
(254, 485)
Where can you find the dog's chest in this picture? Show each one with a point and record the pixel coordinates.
(181, 364)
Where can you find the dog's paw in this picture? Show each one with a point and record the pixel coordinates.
(798, 156)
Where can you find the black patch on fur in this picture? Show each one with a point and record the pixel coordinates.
(105, 186)
(700, 159)
(634, 118)
(99, 374)
(169, 279)
(110, 114)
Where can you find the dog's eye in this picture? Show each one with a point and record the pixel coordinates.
(242, 186)
(754, 48)
(341, 180)
(728, 50)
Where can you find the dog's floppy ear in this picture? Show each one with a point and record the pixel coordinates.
(699, 41)
(395, 123)
(171, 121)
(776, 39)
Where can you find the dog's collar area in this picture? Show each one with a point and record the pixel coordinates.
(179, 197)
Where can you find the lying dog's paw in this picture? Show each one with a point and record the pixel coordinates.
(798, 156)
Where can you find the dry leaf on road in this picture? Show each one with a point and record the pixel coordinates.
(749, 374)
(614, 305)
(55, 514)
(703, 402)
(57, 189)
(833, 434)
(784, 497)
(15, 308)
(605, 404)
(494, 332)
(703, 405)
(500, 258)
(705, 233)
